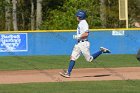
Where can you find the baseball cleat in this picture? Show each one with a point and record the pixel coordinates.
(64, 74)
(105, 50)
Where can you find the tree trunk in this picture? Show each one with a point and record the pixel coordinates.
(39, 14)
(23, 21)
(103, 13)
(14, 15)
(7, 16)
(32, 16)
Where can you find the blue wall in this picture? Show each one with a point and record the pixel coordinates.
(61, 43)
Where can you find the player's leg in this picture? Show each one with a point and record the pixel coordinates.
(138, 55)
(74, 56)
(98, 53)
(84, 47)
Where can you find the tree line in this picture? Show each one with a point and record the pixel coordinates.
(60, 14)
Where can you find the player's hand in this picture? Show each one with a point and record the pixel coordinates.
(76, 36)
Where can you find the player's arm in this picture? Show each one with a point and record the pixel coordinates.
(81, 36)
(84, 35)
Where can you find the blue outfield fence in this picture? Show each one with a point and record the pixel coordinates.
(61, 43)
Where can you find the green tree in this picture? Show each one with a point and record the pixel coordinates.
(2, 15)
(134, 11)
(7, 15)
(62, 14)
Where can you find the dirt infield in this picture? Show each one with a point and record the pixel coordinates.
(86, 74)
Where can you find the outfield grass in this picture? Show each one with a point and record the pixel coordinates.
(74, 87)
(61, 62)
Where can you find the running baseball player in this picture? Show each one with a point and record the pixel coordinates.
(138, 55)
(83, 45)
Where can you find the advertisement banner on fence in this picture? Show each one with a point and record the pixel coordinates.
(16, 42)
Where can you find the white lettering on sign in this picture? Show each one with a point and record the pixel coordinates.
(13, 42)
(118, 32)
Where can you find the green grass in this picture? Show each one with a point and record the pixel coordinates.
(74, 87)
(61, 62)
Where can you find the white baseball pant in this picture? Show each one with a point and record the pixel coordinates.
(81, 48)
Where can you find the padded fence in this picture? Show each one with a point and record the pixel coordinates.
(61, 43)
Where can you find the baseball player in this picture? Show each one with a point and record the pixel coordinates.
(82, 45)
(137, 24)
(138, 55)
